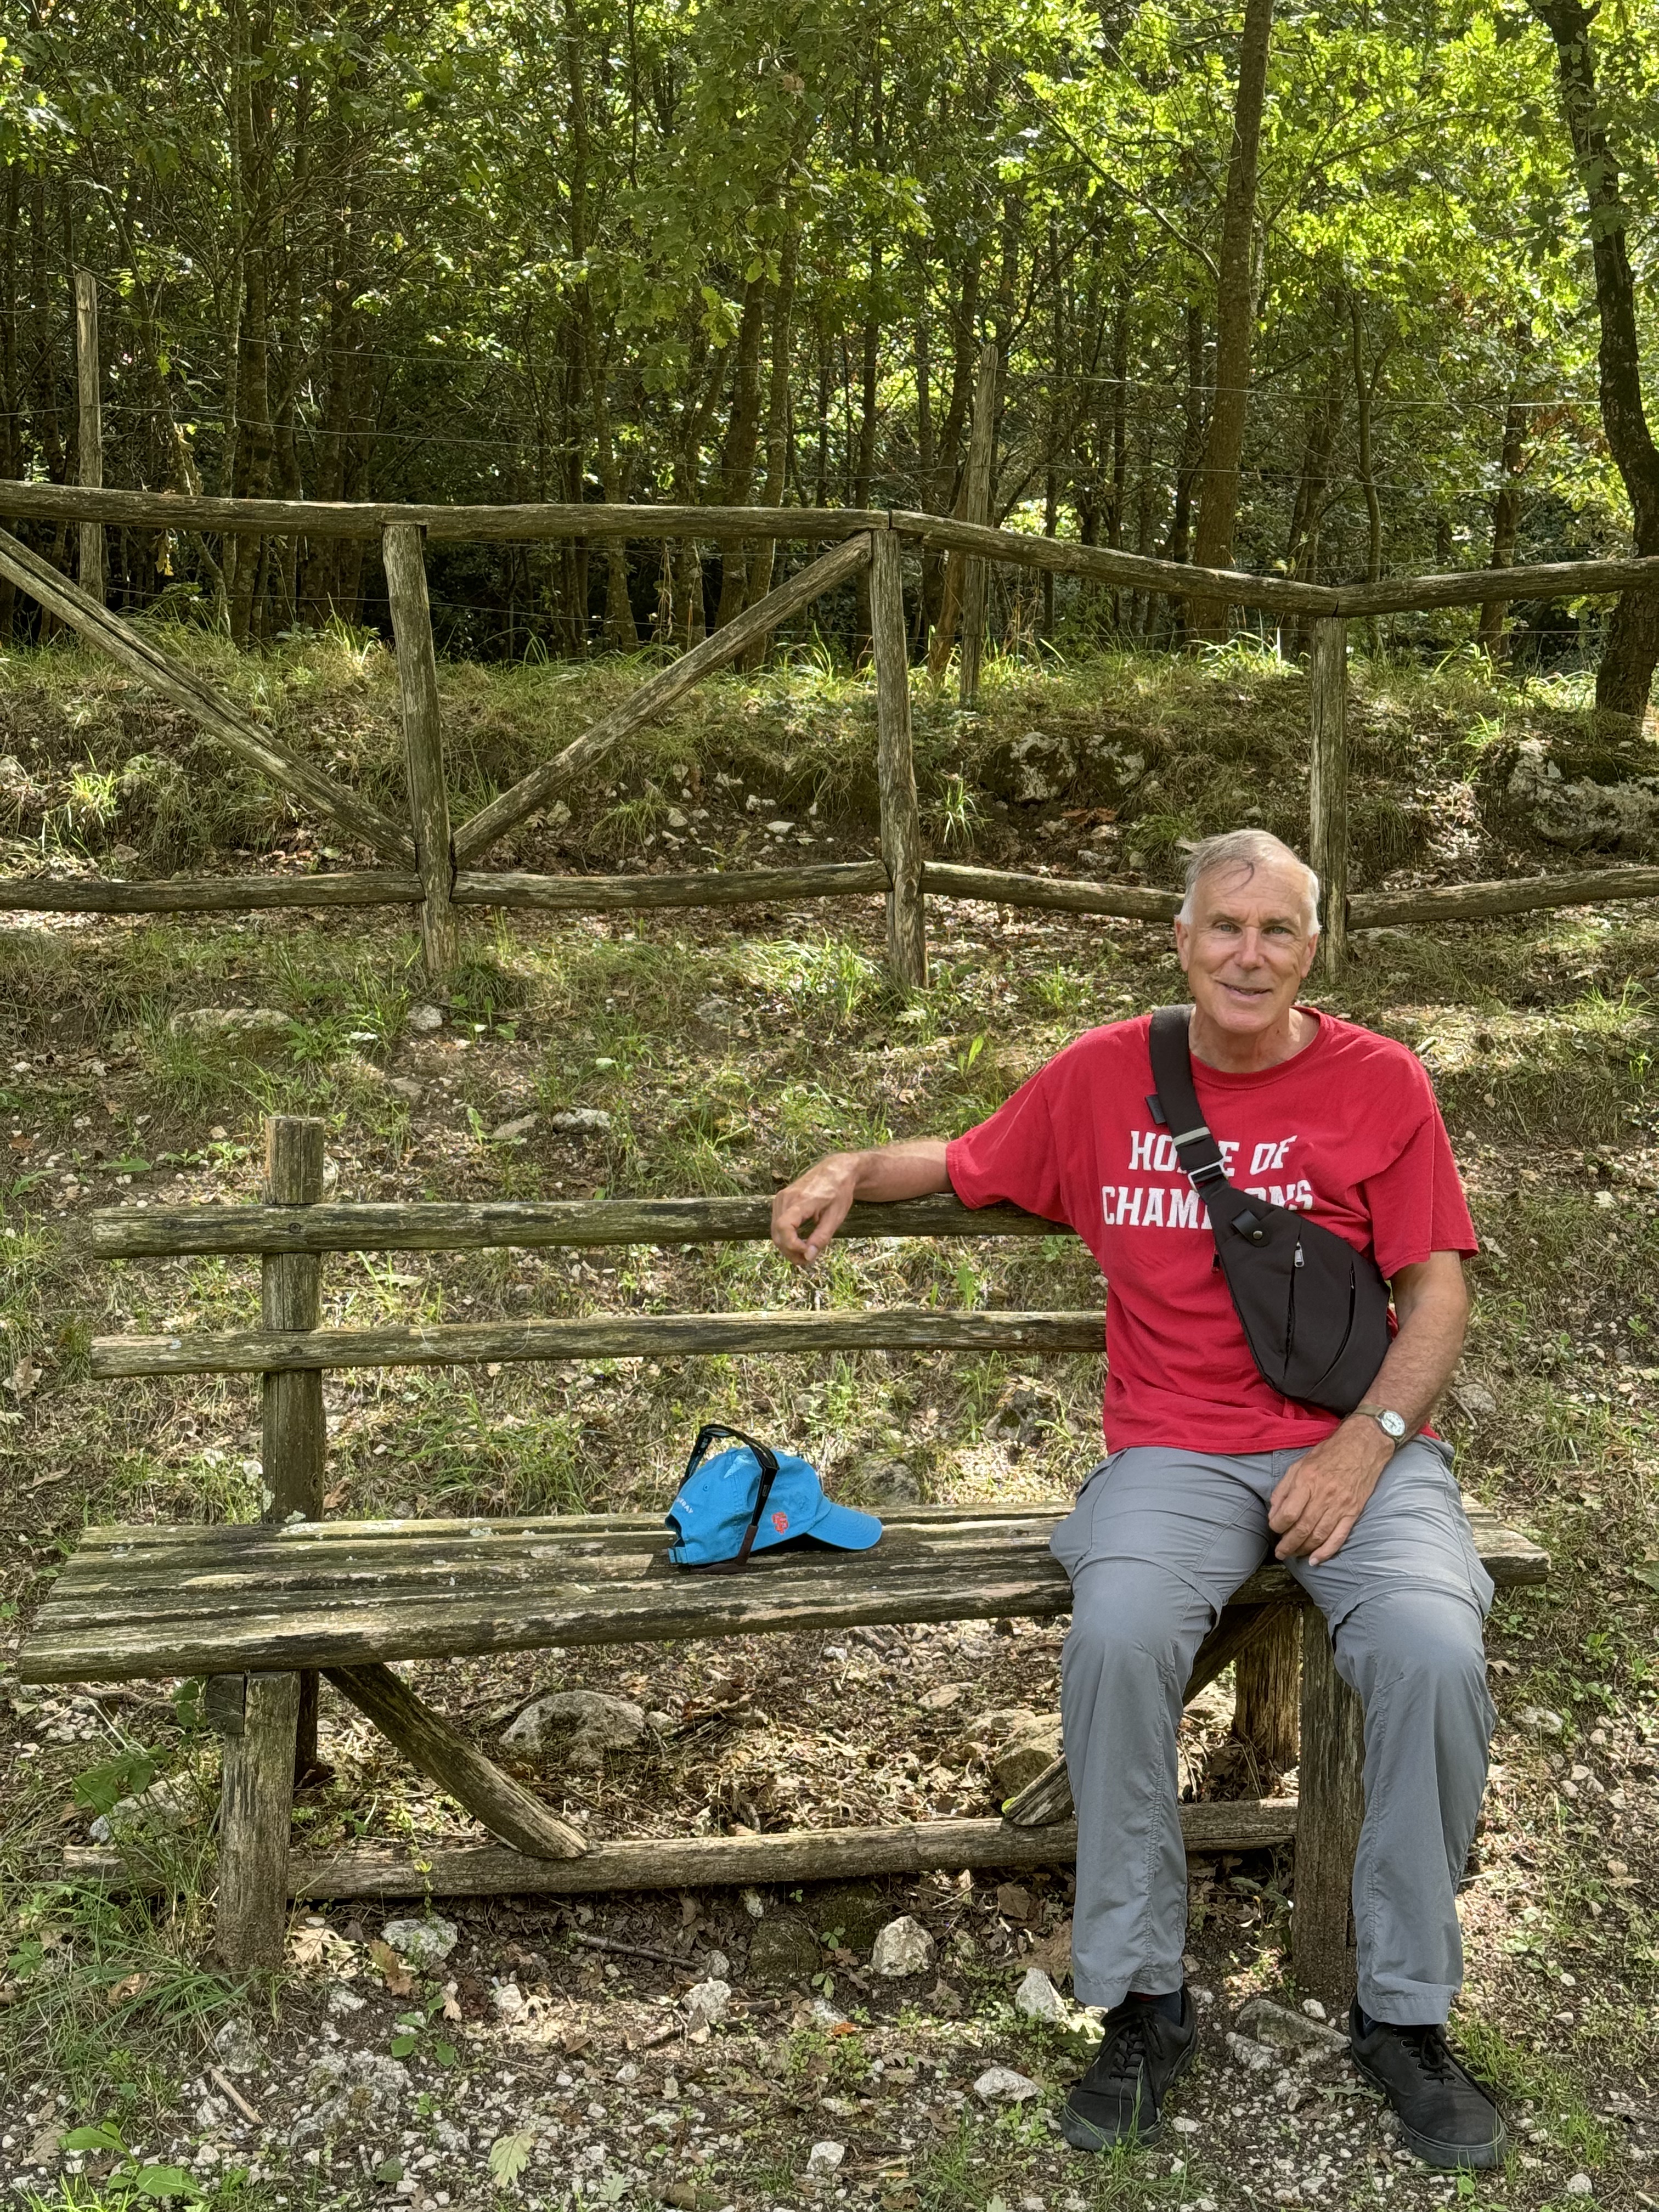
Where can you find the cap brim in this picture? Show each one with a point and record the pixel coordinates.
(845, 1528)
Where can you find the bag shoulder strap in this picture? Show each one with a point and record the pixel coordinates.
(767, 1461)
(1172, 1071)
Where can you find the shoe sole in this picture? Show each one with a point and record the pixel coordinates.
(1446, 2156)
(1091, 2138)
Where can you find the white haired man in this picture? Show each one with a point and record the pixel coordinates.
(1208, 1467)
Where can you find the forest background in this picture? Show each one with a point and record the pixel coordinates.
(1329, 291)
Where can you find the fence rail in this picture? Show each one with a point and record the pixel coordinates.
(440, 852)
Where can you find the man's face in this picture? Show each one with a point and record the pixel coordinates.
(1247, 947)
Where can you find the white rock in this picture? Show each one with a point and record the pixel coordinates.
(237, 2047)
(507, 1998)
(232, 1021)
(676, 820)
(576, 1728)
(1541, 1720)
(1313, 2009)
(349, 2089)
(945, 1695)
(779, 828)
(163, 1805)
(1268, 2022)
(705, 2002)
(825, 2158)
(1000, 2085)
(1038, 1999)
(825, 2015)
(339, 2001)
(1254, 2057)
(424, 1018)
(592, 1120)
(1580, 2184)
(407, 1088)
(903, 1947)
(1183, 2126)
(1477, 1401)
(425, 1942)
(716, 1965)
(511, 1132)
(1290, 2089)
(753, 1903)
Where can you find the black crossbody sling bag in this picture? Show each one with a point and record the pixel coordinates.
(1315, 1311)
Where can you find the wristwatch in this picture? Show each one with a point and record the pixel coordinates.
(1392, 1425)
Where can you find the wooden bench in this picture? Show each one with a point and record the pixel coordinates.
(262, 1610)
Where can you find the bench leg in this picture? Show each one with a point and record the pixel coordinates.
(255, 1811)
(1331, 1804)
(1268, 1675)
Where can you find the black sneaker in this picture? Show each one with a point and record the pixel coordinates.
(1446, 2117)
(1121, 2097)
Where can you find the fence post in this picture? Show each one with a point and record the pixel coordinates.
(90, 572)
(1330, 1805)
(1328, 784)
(976, 573)
(901, 822)
(1268, 1678)
(295, 1441)
(404, 548)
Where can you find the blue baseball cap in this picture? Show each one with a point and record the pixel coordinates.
(716, 1506)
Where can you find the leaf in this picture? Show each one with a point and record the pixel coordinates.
(403, 2045)
(163, 2181)
(132, 1165)
(398, 1980)
(101, 2138)
(509, 2157)
(1648, 1575)
(104, 1787)
(129, 1986)
(389, 2170)
(446, 2054)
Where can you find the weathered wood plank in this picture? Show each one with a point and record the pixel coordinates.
(1511, 895)
(435, 1748)
(288, 771)
(293, 1449)
(252, 1918)
(522, 524)
(89, 571)
(124, 1233)
(668, 1336)
(703, 887)
(1057, 894)
(1331, 1786)
(896, 767)
(207, 894)
(717, 1862)
(655, 696)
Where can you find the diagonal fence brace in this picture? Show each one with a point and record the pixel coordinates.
(290, 771)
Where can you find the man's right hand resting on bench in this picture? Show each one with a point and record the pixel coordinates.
(807, 1214)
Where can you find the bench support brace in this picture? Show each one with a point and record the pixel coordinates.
(253, 1828)
(428, 1742)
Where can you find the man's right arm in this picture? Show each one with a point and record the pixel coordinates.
(807, 1213)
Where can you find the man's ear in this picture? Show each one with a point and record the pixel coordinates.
(1183, 938)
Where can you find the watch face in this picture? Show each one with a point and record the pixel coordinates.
(1391, 1425)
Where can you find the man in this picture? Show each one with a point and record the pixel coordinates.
(1207, 1466)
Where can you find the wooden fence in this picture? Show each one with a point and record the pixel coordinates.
(432, 861)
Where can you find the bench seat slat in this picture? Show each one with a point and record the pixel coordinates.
(136, 1602)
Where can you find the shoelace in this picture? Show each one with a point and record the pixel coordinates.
(1125, 2058)
(1434, 2055)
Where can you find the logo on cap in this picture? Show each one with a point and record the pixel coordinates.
(779, 1521)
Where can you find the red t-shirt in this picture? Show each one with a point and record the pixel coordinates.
(1347, 1128)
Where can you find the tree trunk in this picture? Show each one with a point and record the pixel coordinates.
(1505, 522)
(742, 437)
(777, 432)
(1626, 676)
(1218, 508)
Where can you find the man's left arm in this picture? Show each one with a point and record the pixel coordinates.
(1316, 1504)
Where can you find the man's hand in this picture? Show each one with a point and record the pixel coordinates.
(1316, 1506)
(807, 1214)
(814, 1203)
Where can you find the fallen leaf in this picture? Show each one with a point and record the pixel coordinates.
(129, 1986)
(509, 2155)
(23, 1377)
(398, 1980)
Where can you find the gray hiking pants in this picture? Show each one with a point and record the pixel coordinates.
(1158, 1542)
